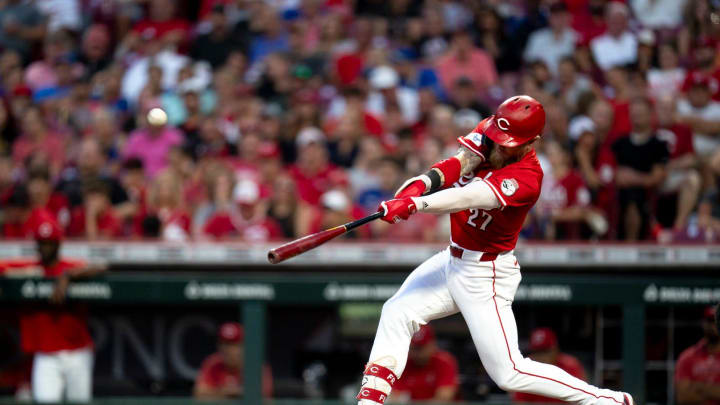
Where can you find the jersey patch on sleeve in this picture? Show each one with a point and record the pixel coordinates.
(509, 186)
(475, 138)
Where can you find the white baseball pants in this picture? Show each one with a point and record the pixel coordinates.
(66, 371)
(483, 292)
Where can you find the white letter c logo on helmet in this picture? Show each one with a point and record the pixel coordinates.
(503, 124)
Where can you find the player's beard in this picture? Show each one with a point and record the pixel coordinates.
(496, 160)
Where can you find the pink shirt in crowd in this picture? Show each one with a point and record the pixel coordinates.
(478, 67)
(152, 149)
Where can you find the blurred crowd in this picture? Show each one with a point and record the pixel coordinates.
(282, 117)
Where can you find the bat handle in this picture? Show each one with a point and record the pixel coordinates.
(363, 221)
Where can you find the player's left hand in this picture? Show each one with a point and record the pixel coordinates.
(397, 209)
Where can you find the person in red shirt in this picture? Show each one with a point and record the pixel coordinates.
(221, 374)
(544, 348)
(697, 372)
(57, 334)
(247, 219)
(704, 64)
(566, 199)
(431, 373)
(96, 218)
(313, 173)
(162, 24)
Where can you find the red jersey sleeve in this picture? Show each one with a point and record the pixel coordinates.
(515, 186)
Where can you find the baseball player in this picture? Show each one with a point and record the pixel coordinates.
(57, 334)
(488, 188)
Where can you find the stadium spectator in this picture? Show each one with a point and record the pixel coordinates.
(38, 139)
(164, 215)
(595, 157)
(162, 24)
(463, 59)
(666, 80)
(56, 333)
(641, 169)
(95, 218)
(336, 209)
(221, 375)
(312, 173)
(617, 46)
(245, 216)
(697, 370)
(702, 114)
(572, 85)
(96, 47)
(565, 200)
(272, 36)
(464, 96)
(658, 14)
(91, 164)
(698, 25)
(704, 65)
(491, 34)
(388, 93)
(292, 216)
(544, 348)
(151, 144)
(223, 39)
(683, 177)
(21, 26)
(431, 374)
(554, 43)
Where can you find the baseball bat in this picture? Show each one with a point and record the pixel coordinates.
(314, 240)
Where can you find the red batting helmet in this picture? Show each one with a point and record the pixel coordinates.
(517, 120)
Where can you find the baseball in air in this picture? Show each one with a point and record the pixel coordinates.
(157, 117)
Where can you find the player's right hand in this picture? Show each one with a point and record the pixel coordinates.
(397, 209)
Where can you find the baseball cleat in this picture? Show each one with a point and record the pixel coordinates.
(628, 399)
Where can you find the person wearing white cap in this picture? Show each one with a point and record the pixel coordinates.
(385, 82)
(312, 171)
(618, 46)
(247, 218)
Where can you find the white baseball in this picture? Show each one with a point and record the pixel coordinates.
(157, 117)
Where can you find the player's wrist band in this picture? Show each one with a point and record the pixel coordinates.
(450, 169)
(435, 180)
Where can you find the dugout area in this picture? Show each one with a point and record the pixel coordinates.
(314, 326)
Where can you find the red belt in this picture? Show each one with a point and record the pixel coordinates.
(485, 257)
